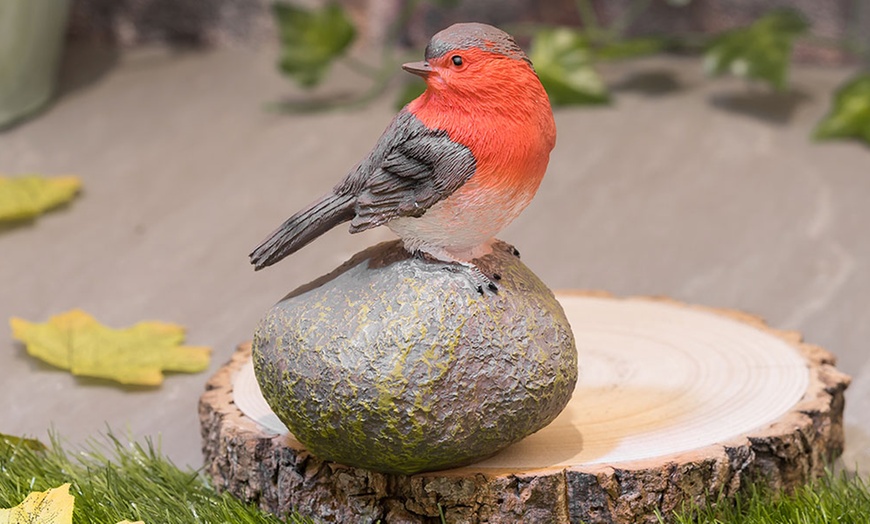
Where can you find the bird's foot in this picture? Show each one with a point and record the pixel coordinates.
(481, 282)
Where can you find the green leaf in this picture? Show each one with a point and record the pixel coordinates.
(311, 39)
(563, 61)
(631, 48)
(11, 440)
(850, 114)
(411, 90)
(761, 51)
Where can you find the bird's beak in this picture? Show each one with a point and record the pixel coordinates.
(418, 68)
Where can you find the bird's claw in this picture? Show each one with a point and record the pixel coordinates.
(479, 280)
(484, 283)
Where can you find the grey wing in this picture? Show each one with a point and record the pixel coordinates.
(411, 168)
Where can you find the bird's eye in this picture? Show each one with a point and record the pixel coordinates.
(457, 60)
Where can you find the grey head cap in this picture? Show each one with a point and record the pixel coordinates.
(481, 36)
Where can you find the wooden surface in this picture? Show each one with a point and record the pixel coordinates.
(673, 402)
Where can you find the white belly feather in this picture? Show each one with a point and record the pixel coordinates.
(461, 226)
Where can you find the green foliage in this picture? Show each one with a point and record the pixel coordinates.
(446, 3)
(630, 48)
(10, 440)
(311, 39)
(563, 60)
(134, 482)
(832, 499)
(761, 51)
(410, 90)
(850, 114)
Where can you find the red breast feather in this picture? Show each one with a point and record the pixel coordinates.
(497, 107)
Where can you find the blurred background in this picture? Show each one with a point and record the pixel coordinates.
(714, 151)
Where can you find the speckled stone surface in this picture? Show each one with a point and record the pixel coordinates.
(398, 364)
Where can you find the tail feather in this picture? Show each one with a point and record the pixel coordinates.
(303, 227)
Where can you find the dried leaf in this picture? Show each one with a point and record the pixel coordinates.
(28, 196)
(53, 506)
(135, 355)
(850, 115)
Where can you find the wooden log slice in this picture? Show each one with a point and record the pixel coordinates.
(674, 403)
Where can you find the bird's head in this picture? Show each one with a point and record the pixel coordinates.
(473, 59)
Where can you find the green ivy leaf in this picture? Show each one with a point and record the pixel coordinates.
(563, 61)
(850, 115)
(411, 90)
(761, 51)
(311, 39)
(631, 48)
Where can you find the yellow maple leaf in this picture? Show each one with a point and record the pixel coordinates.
(53, 506)
(28, 196)
(135, 355)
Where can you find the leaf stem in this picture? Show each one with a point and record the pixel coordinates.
(628, 18)
(588, 17)
(362, 68)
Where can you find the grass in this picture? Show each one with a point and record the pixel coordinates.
(112, 482)
(842, 498)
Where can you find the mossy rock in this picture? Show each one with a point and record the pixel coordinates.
(398, 364)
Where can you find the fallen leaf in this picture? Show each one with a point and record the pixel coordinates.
(850, 114)
(28, 196)
(563, 60)
(31, 443)
(311, 39)
(53, 506)
(761, 51)
(135, 355)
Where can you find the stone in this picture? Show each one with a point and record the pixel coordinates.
(398, 364)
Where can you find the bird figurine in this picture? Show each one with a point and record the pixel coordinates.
(454, 167)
